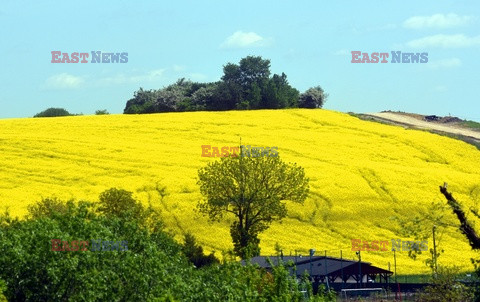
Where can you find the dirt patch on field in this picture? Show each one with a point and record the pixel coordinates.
(451, 125)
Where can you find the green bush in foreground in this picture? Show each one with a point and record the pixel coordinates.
(3, 288)
(444, 288)
(154, 268)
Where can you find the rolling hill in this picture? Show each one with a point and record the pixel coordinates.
(362, 173)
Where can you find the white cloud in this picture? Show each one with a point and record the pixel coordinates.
(445, 41)
(241, 39)
(64, 81)
(436, 21)
(445, 63)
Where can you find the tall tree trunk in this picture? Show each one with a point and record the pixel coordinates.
(465, 225)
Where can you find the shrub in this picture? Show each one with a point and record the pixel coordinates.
(151, 267)
(445, 288)
(52, 112)
(102, 112)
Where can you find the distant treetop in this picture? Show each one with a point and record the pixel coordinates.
(52, 112)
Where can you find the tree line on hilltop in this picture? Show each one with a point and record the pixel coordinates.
(243, 86)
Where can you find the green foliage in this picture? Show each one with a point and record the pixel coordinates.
(142, 102)
(3, 288)
(277, 93)
(247, 85)
(314, 97)
(102, 112)
(471, 124)
(47, 207)
(153, 268)
(250, 70)
(52, 112)
(252, 189)
(445, 288)
(194, 252)
(120, 203)
(283, 284)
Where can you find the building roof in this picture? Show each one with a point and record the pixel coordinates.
(317, 264)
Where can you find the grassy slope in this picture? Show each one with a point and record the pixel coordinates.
(362, 173)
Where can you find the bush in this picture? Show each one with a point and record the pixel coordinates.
(151, 267)
(102, 112)
(52, 112)
(47, 207)
(120, 203)
(314, 97)
(445, 288)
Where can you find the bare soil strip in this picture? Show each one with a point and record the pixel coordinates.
(417, 122)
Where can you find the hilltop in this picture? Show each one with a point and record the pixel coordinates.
(361, 173)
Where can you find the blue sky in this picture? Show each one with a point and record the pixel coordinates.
(311, 41)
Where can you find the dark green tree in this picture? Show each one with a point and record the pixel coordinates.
(251, 69)
(120, 203)
(312, 98)
(194, 252)
(252, 189)
(225, 96)
(278, 93)
(53, 112)
(248, 79)
(142, 102)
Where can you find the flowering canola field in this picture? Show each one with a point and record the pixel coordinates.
(361, 174)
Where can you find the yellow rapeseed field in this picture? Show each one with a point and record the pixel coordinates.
(362, 173)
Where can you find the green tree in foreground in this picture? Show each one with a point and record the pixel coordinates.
(52, 112)
(152, 269)
(253, 190)
(120, 203)
(194, 252)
